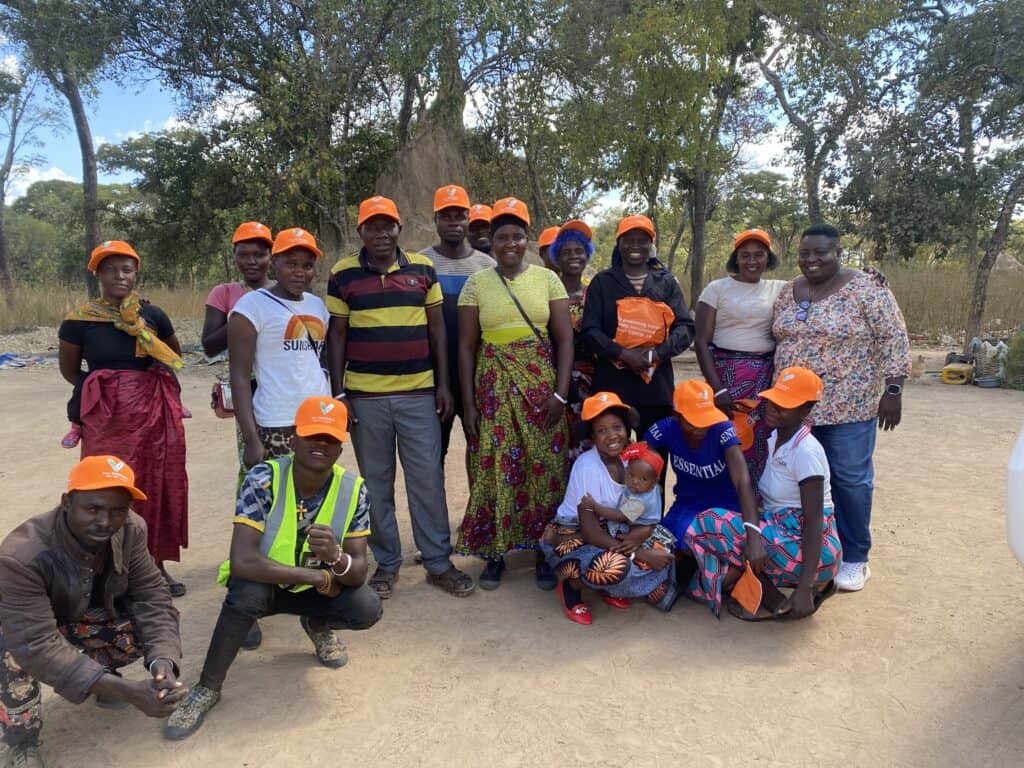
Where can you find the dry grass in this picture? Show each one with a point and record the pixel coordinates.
(934, 301)
(46, 306)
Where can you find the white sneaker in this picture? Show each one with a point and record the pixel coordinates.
(853, 576)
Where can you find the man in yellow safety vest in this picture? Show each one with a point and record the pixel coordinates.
(298, 547)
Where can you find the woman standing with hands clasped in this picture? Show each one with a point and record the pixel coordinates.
(515, 359)
(734, 342)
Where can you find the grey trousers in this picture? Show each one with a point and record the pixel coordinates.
(412, 422)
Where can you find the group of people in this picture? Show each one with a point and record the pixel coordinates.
(563, 387)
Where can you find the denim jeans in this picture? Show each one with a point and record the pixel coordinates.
(848, 448)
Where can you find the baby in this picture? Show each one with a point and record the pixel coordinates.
(640, 502)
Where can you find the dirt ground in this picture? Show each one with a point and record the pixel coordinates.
(923, 668)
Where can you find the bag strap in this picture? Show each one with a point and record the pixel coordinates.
(519, 306)
(272, 297)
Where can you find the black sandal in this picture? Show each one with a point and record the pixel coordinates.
(453, 581)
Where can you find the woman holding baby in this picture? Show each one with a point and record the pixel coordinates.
(605, 534)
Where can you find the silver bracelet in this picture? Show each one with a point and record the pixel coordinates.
(159, 658)
(347, 567)
(340, 396)
(560, 399)
(722, 391)
(753, 527)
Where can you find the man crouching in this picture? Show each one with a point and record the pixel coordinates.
(80, 597)
(298, 547)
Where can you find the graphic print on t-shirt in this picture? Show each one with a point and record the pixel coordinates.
(302, 328)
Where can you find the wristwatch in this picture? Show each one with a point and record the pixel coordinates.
(894, 389)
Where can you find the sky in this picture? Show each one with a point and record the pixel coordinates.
(119, 112)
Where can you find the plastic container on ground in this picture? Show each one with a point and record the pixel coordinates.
(1015, 499)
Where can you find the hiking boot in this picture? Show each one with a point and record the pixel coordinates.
(491, 577)
(25, 756)
(329, 649)
(186, 719)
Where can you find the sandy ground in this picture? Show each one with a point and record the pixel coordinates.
(923, 668)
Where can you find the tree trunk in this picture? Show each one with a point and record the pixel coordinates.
(698, 222)
(812, 181)
(676, 240)
(970, 196)
(5, 272)
(984, 268)
(67, 85)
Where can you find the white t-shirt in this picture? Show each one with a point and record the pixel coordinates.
(287, 370)
(589, 475)
(800, 458)
(743, 313)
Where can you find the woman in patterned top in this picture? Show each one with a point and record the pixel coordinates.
(846, 327)
(572, 250)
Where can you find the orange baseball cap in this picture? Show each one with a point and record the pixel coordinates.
(94, 473)
(794, 387)
(547, 237)
(451, 196)
(379, 206)
(322, 416)
(252, 230)
(511, 206)
(480, 212)
(753, 234)
(580, 226)
(695, 401)
(597, 404)
(111, 248)
(638, 221)
(295, 238)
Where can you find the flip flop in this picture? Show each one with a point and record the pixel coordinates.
(820, 597)
(737, 610)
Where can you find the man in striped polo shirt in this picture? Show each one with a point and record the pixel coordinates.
(454, 261)
(388, 355)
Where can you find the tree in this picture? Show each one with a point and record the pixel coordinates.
(768, 200)
(825, 67)
(70, 43)
(21, 116)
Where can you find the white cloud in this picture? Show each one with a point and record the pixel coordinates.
(21, 181)
(770, 154)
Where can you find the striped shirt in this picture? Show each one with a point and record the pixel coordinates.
(387, 348)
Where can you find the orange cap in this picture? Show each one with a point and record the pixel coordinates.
(111, 248)
(753, 234)
(377, 206)
(511, 206)
(695, 401)
(252, 230)
(451, 196)
(547, 237)
(794, 387)
(94, 473)
(597, 404)
(295, 238)
(580, 226)
(322, 416)
(638, 221)
(480, 212)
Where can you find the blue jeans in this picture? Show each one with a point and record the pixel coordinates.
(848, 448)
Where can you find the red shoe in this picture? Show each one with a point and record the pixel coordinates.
(616, 602)
(73, 437)
(579, 613)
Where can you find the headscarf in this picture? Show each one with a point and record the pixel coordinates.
(127, 318)
(565, 237)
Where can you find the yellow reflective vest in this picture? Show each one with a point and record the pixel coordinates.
(281, 530)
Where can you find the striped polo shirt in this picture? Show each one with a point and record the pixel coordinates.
(387, 349)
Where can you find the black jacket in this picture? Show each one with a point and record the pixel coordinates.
(600, 320)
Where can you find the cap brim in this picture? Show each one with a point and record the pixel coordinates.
(703, 418)
(783, 399)
(312, 430)
(102, 486)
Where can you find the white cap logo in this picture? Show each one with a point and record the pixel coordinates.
(298, 232)
(326, 408)
(107, 244)
(511, 203)
(117, 466)
(451, 191)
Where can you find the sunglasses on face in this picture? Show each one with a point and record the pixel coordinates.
(803, 309)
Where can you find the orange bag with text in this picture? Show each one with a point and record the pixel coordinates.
(642, 322)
